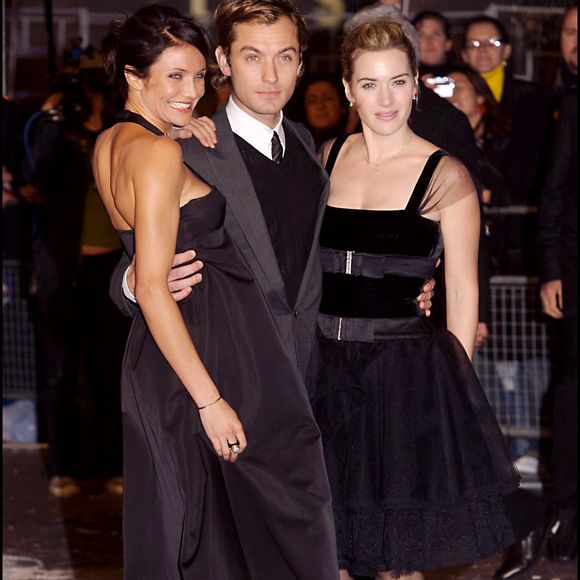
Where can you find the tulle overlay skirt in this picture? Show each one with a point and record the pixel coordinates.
(417, 463)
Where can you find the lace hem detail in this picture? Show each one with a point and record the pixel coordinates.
(402, 541)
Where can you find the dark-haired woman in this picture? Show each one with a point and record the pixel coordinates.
(224, 474)
(435, 42)
(325, 108)
(491, 129)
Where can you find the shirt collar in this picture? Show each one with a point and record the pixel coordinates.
(256, 133)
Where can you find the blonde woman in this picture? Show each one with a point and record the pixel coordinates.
(416, 460)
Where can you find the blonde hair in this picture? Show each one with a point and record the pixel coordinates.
(375, 36)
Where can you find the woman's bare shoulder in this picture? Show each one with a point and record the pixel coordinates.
(423, 146)
(326, 147)
(138, 144)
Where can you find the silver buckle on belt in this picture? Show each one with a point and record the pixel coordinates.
(348, 265)
(347, 270)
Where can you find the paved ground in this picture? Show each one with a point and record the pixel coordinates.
(80, 538)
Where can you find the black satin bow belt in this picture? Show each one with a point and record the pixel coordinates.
(376, 265)
(370, 330)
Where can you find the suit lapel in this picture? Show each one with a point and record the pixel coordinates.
(233, 180)
(313, 260)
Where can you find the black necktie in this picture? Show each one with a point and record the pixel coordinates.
(276, 148)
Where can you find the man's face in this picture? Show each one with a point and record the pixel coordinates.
(484, 48)
(263, 64)
(569, 40)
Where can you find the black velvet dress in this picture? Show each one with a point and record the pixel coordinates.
(417, 463)
(188, 514)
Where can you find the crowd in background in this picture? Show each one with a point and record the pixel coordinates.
(513, 135)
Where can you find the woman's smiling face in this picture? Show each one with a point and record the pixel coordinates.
(174, 84)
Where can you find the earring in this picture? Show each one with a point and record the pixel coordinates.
(350, 103)
(414, 96)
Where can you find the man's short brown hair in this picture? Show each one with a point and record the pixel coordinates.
(231, 12)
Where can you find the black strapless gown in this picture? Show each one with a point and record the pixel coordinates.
(417, 463)
(187, 514)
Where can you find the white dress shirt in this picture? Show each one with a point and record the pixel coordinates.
(254, 132)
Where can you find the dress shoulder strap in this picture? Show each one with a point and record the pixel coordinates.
(424, 179)
(336, 146)
(130, 117)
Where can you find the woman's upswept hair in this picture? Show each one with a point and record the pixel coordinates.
(375, 36)
(229, 13)
(137, 42)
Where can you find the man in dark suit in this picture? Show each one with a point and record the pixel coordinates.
(556, 243)
(557, 239)
(274, 217)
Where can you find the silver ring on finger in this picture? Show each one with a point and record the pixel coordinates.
(234, 447)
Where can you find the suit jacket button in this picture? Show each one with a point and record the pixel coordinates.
(296, 314)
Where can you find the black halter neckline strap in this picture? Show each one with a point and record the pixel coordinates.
(130, 117)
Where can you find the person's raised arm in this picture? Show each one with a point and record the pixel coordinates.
(157, 186)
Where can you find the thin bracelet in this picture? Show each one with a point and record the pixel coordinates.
(210, 404)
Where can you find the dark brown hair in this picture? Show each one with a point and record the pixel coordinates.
(493, 120)
(433, 15)
(232, 12)
(138, 41)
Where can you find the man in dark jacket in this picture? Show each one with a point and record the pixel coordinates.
(557, 236)
(557, 239)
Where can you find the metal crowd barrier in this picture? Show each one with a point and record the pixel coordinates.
(18, 339)
(516, 363)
